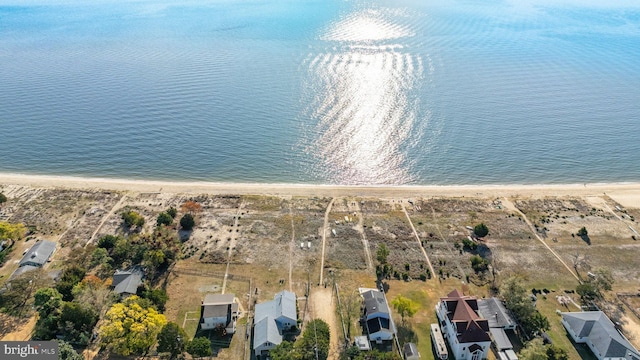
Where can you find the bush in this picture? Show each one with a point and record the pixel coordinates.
(107, 242)
(481, 230)
(187, 222)
(3, 199)
(199, 347)
(132, 218)
(164, 219)
(583, 232)
(172, 212)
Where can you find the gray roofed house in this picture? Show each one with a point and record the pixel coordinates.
(494, 311)
(126, 282)
(596, 330)
(219, 310)
(21, 270)
(271, 319)
(377, 317)
(39, 254)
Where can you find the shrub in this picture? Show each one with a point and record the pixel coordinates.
(481, 230)
(187, 222)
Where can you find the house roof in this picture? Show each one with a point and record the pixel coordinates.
(127, 281)
(410, 349)
(266, 330)
(21, 270)
(599, 329)
(39, 253)
(494, 311)
(374, 302)
(286, 305)
(500, 338)
(218, 305)
(462, 312)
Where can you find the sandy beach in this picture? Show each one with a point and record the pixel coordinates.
(627, 194)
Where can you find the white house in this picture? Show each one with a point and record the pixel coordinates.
(596, 330)
(377, 318)
(271, 320)
(219, 311)
(466, 332)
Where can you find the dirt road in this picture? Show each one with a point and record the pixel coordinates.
(322, 306)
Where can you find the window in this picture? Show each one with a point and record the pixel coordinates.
(476, 355)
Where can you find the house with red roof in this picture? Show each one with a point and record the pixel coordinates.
(465, 330)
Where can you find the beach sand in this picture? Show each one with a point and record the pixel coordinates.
(627, 194)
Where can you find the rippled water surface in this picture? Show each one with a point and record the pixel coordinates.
(348, 92)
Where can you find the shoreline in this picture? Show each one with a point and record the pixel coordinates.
(487, 190)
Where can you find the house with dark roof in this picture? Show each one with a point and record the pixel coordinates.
(39, 254)
(465, 330)
(126, 282)
(376, 317)
(219, 311)
(596, 330)
(272, 319)
(500, 321)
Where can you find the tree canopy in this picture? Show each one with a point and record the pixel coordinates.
(67, 352)
(12, 231)
(164, 219)
(129, 328)
(132, 218)
(172, 339)
(382, 253)
(405, 307)
(481, 230)
(314, 341)
(199, 347)
(3, 199)
(534, 350)
(187, 222)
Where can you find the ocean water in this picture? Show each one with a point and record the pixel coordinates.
(322, 91)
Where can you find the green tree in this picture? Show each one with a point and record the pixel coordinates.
(556, 353)
(534, 350)
(603, 280)
(129, 328)
(187, 222)
(199, 347)
(108, 241)
(3, 199)
(67, 352)
(481, 230)
(100, 256)
(164, 219)
(172, 339)
(382, 253)
(314, 342)
(132, 218)
(405, 307)
(158, 297)
(172, 212)
(71, 276)
(478, 263)
(48, 302)
(587, 292)
(77, 322)
(284, 351)
(583, 232)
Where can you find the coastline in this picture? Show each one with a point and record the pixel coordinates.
(627, 194)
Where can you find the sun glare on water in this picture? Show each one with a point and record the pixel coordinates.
(363, 109)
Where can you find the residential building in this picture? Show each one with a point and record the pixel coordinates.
(272, 320)
(500, 321)
(376, 318)
(39, 254)
(219, 311)
(465, 330)
(126, 282)
(596, 330)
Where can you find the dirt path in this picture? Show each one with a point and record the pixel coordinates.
(444, 239)
(105, 218)
(360, 229)
(415, 233)
(510, 206)
(325, 228)
(321, 306)
(232, 244)
(291, 246)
